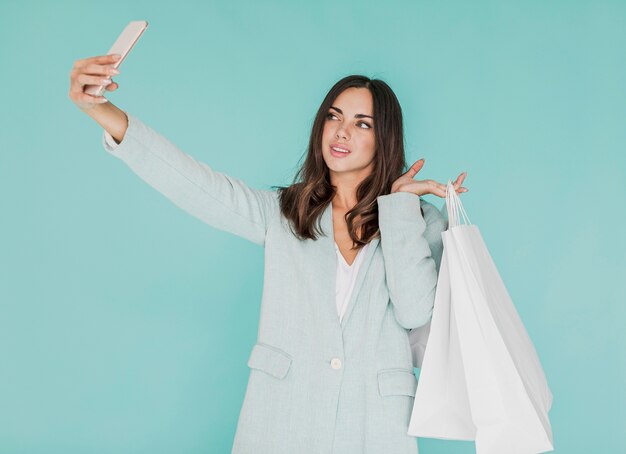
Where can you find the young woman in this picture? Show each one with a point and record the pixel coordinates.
(349, 266)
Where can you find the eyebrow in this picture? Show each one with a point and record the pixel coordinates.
(356, 116)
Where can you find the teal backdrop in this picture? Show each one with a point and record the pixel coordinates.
(126, 324)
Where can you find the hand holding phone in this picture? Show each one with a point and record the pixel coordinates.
(122, 46)
(91, 76)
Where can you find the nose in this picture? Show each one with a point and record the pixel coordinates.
(341, 133)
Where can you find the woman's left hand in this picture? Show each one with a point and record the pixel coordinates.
(406, 183)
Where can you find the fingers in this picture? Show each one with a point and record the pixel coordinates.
(96, 70)
(440, 189)
(112, 86)
(99, 59)
(102, 70)
(102, 66)
(92, 74)
(433, 187)
(459, 181)
(89, 99)
(416, 167)
(86, 79)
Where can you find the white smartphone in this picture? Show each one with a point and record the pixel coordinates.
(122, 45)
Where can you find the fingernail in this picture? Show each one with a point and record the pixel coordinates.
(116, 56)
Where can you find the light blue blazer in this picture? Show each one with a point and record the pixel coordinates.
(316, 385)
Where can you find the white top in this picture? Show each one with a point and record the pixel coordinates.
(346, 274)
(346, 277)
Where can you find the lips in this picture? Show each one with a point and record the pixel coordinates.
(340, 146)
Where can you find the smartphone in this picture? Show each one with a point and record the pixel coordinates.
(122, 45)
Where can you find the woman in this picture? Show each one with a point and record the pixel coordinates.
(331, 370)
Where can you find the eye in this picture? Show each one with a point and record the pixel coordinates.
(330, 115)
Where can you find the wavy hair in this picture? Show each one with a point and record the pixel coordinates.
(310, 192)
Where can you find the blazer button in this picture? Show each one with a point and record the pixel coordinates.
(335, 363)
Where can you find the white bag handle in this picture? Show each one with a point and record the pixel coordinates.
(455, 207)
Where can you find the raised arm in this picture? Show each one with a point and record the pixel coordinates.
(217, 199)
(435, 224)
(410, 268)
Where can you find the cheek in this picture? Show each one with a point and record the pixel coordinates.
(370, 146)
(327, 131)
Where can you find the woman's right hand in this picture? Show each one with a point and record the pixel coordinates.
(92, 71)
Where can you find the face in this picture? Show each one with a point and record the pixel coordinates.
(349, 125)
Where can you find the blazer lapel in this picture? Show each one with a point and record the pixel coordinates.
(328, 244)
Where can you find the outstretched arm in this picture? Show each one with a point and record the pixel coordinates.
(215, 198)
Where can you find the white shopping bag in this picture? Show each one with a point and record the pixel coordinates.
(418, 339)
(480, 378)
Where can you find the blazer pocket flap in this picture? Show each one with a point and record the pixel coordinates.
(269, 359)
(393, 382)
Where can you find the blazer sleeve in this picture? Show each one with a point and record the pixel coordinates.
(412, 246)
(435, 224)
(215, 198)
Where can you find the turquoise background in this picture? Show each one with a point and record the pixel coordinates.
(126, 324)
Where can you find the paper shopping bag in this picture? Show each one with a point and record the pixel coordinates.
(441, 406)
(481, 378)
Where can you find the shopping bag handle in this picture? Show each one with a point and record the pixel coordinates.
(455, 207)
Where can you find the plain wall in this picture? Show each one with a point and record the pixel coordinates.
(126, 324)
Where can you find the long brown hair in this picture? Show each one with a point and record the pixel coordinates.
(303, 202)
